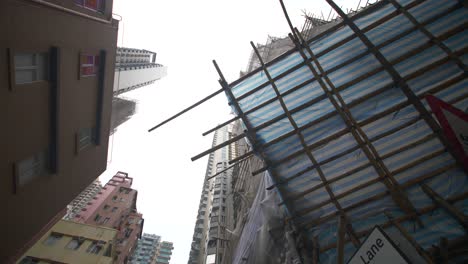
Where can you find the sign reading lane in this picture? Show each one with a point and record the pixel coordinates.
(378, 249)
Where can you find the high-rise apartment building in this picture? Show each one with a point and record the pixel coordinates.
(71, 242)
(163, 255)
(135, 68)
(81, 201)
(115, 207)
(210, 227)
(146, 249)
(151, 250)
(57, 68)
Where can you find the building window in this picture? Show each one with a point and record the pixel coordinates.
(52, 239)
(108, 252)
(97, 218)
(89, 65)
(114, 198)
(28, 260)
(84, 138)
(106, 207)
(94, 5)
(114, 209)
(94, 248)
(122, 199)
(31, 168)
(106, 220)
(128, 232)
(30, 67)
(75, 243)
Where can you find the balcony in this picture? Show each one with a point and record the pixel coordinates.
(198, 236)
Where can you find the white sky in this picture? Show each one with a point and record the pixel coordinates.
(187, 35)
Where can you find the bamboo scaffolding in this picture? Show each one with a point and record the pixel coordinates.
(398, 79)
(249, 132)
(379, 196)
(400, 219)
(375, 138)
(356, 102)
(365, 145)
(304, 145)
(408, 237)
(451, 210)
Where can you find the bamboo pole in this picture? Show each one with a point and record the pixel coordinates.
(426, 32)
(372, 155)
(379, 196)
(303, 143)
(398, 79)
(442, 203)
(408, 237)
(425, 210)
(341, 240)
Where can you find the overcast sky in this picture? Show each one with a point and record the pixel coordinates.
(187, 35)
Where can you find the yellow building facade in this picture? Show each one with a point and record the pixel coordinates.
(71, 242)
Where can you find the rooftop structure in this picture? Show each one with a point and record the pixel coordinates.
(81, 201)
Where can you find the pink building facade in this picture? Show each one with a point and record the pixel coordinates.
(115, 207)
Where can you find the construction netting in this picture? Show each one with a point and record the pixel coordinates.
(343, 137)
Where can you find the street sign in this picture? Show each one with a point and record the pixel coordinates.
(454, 123)
(378, 248)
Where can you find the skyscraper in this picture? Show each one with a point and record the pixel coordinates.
(164, 252)
(135, 68)
(151, 250)
(57, 70)
(210, 226)
(146, 249)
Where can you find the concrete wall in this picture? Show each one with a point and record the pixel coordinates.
(60, 253)
(26, 112)
(128, 79)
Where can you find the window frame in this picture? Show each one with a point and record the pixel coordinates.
(81, 63)
(94, 248)
(57, 237)
(79, 242)
(79, 146)
(97, 10)
(44, 169)
(12, 68)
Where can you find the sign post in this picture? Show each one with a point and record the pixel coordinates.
(378, 248)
